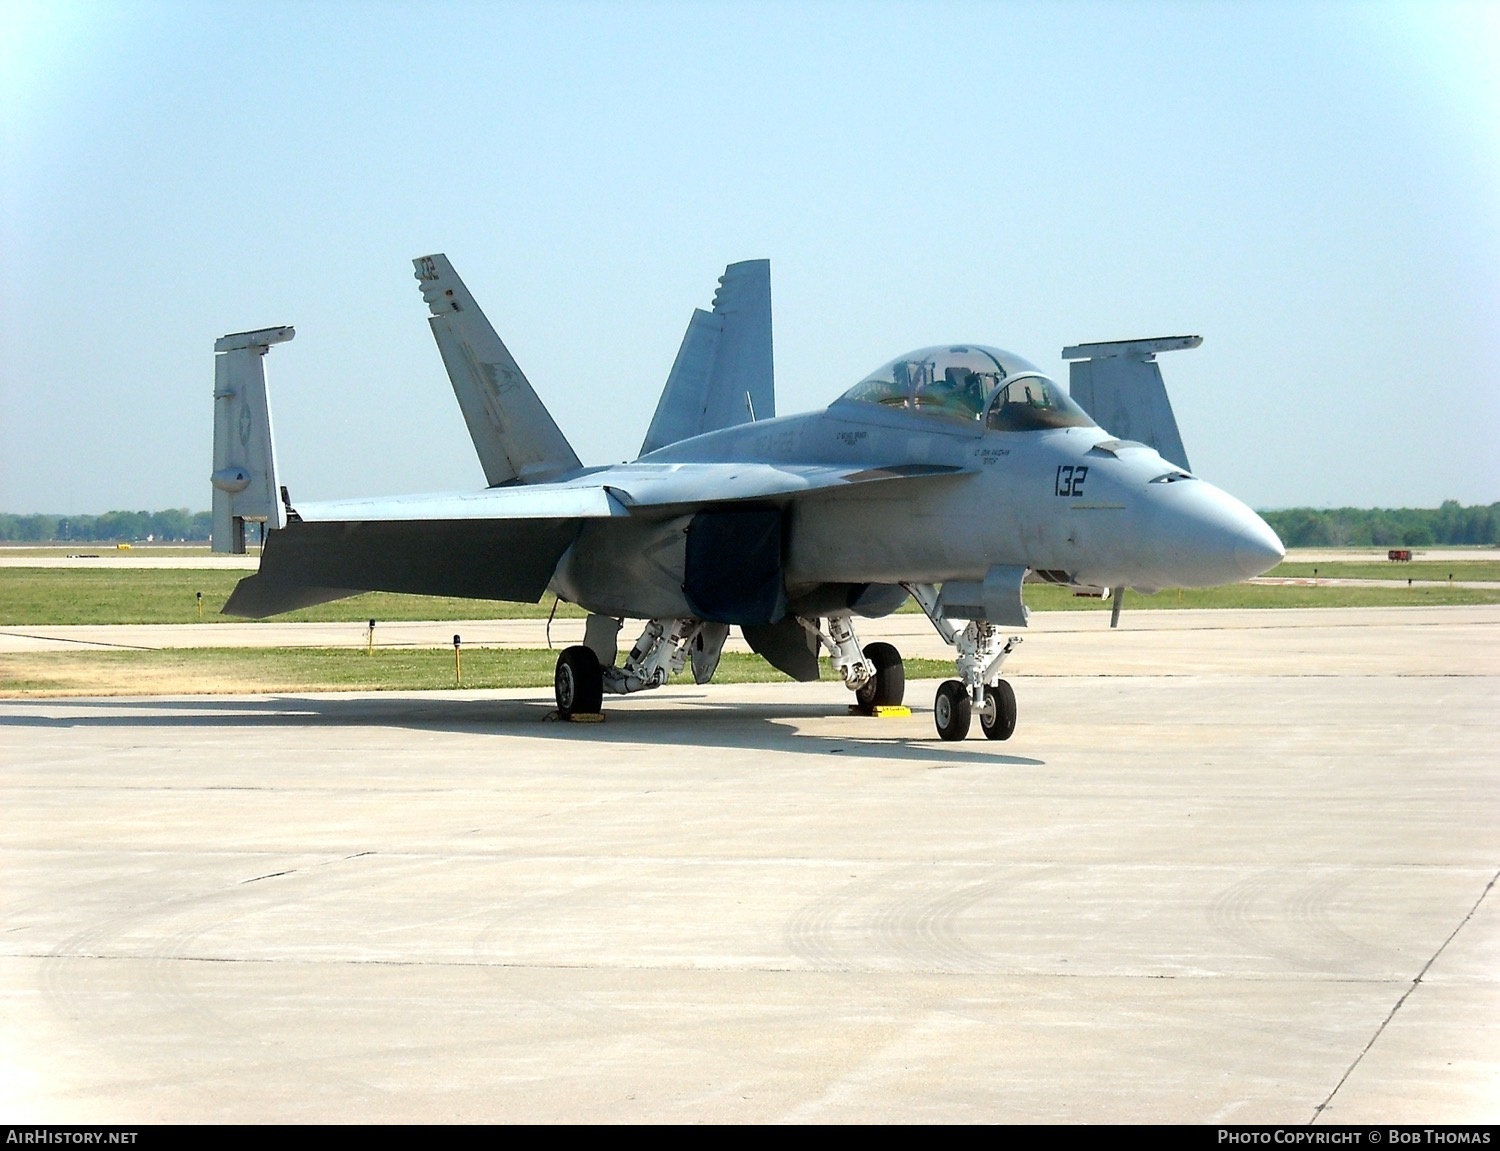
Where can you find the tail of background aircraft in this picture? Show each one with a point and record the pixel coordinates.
(723, 374)
(1120, 386)
(244, 476)
(515, 436)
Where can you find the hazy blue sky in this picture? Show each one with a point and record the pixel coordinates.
(1313, 188)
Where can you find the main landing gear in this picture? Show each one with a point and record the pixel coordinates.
(875, 673)
(887, 687)
(578, 682)
(979, 691)
(665, 647)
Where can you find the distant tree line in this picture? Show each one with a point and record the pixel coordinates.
(1297, 527)
(1386, 527)
(111, 527)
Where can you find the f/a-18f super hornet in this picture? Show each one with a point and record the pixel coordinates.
(947, 476)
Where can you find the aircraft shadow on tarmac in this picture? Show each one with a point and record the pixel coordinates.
(696, 722)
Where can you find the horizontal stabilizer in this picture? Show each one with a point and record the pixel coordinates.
(259, 596)
(513, 433)
(307, 563)
(724, 372)
(1119, 384)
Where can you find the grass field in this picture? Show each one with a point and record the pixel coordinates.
(217, 671)
(169, 595)
(1487, 570)
(33, 596)
(95, 595)
(1046, 598)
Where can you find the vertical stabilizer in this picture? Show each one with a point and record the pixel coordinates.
(724, 373)
(1120, 386)
(244, 476)
(514, 434)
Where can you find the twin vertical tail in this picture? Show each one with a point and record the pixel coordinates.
(244, 477)
(1120, 386)
(723, 374)
(514, 434)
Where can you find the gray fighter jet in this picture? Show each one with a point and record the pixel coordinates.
(949, 476)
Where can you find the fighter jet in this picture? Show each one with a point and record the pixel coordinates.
(948, 475)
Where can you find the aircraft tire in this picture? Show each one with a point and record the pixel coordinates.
(952, 710)
(999, 718)
(578, 682)
(888, 687)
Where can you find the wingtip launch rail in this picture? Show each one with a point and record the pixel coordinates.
(244, 476)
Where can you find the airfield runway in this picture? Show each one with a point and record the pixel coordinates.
(1233, 867)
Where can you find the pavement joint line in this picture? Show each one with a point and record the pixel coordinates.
(84, 642)
(1405, 995)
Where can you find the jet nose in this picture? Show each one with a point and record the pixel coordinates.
(1258, 549)
(1202, 536)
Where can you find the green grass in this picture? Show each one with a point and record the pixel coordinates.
(38, 596)
(260, 670)
(1477, 569)
(169, 595)
(1047, 598)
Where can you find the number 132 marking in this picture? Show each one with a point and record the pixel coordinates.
(1069, 480)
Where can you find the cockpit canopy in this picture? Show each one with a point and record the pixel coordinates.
(970, 382)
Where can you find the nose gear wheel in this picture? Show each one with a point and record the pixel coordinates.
(952, 710)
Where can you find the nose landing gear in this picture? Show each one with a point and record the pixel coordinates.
(997, 719)
(979, 690)
(952, 711)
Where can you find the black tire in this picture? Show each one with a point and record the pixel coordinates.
(952, 710)
(888, 685)
(578, 682)
(1001, 705)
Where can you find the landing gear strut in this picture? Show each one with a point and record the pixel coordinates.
(979, 690)
(875, 674)
(664, 649)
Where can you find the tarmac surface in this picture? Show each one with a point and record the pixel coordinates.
(1234, 867)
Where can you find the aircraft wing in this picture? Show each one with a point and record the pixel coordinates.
(644, 486)
(616, 491)
(500, 543)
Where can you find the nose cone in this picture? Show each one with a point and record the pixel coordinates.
(1202, 537)
(1258, 548)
